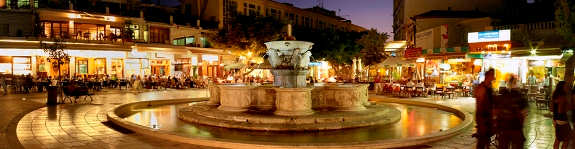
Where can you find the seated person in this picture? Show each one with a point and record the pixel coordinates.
(410, 83)
(420, 84)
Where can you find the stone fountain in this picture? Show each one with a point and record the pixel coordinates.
(290, 104)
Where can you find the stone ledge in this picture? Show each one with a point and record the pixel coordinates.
(202, 113)
(223, 143)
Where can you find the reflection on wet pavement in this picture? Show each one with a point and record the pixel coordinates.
(415, 121)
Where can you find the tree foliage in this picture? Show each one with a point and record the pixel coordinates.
(372, 44)
(565, 18)
(337, 47)
(56, 53)
(248, 33)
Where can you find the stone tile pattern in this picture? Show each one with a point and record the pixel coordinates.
(81, 126)
(539, 129)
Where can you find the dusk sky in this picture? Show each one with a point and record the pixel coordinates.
(376, 14)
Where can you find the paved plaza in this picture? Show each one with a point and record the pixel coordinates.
(27, 123)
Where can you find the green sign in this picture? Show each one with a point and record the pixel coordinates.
(437, 50)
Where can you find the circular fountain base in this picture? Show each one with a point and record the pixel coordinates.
(206, 114)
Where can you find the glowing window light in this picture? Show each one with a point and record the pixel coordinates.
(477, 62)
(533, 51)
(110, 18)
(538, 63)
(420, 60)
(74, 16)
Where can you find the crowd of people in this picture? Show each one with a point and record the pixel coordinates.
(26, 83)
(503, 114)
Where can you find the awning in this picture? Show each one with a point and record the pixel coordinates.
(395, 45)
(393, 61)
(234, 66)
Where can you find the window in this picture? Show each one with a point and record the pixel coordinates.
(55, 29)
(4, 29)
(82, 66)
(89, 31)
(136, 31)
(275, 13)
(251, 9)
(159, 35)
(185, 41)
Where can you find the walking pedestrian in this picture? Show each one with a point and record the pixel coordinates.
(484, 106)
(559, 108)
(510, 110)
(4, 84)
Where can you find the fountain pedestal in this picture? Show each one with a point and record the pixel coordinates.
(235, 98)
(293, 101)
(289, 78)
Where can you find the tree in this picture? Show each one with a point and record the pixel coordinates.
(372, 44)
(56, 53)
(565, 18)
(339, 48)
(248, 34)
(127, 34)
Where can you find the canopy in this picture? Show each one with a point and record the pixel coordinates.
(392, 61)
(234, 66)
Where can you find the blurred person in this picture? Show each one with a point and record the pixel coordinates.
(4, 84)
(484, 105)
(510, 112)
(559, 109)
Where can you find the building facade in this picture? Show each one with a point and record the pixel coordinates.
(405, 10)
(102, 43)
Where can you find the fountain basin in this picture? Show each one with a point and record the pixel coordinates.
(203, 113)
(346, 97)
(235, 98)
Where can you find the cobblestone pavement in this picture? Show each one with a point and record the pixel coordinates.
(85, 126)
(538, 130)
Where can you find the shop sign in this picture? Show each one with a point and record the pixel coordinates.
(489, 36)
(412, 52)
(314, 64)
(210, 58)
(494, 56)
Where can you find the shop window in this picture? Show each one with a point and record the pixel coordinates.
(82, 66)
(22, 65)
(5, 65)
(100, 65)
(117, 68)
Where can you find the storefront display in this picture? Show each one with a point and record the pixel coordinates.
(5, 65)
(22, 65)
(117, 67)
(138, 67)
(160, 67)
(100, 65)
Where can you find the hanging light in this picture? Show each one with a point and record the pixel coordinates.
(533, 51)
